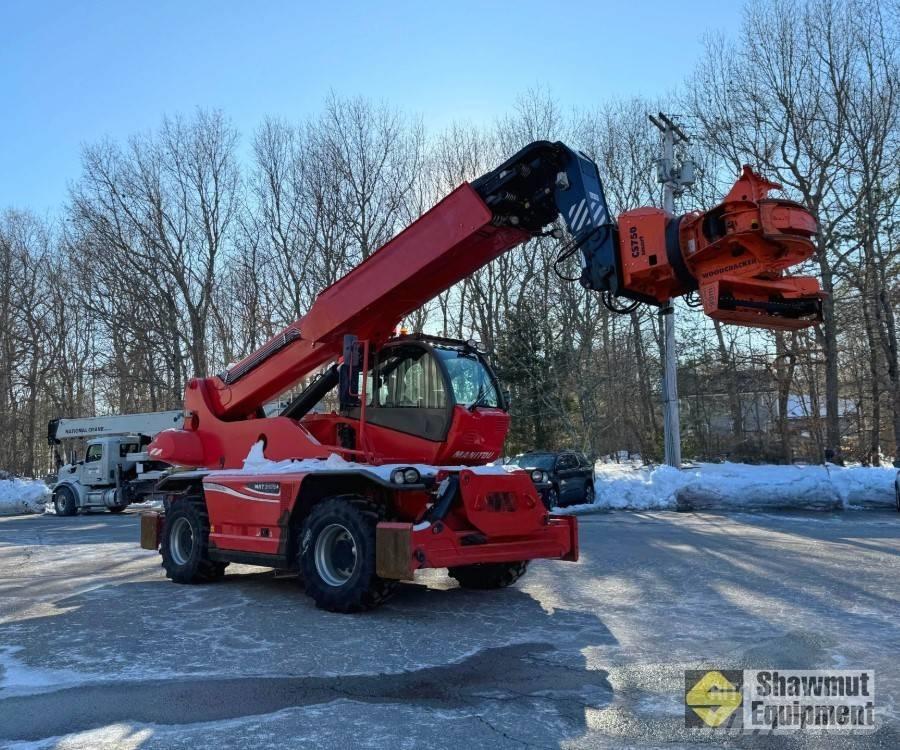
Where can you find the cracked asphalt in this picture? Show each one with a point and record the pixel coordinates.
(99, 650)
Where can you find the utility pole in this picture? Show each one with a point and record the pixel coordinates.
(674, 178)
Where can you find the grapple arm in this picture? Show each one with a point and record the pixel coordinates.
(734, 256)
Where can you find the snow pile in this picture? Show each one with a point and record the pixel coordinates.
(729, 486)
(19, 496)
(805, 487)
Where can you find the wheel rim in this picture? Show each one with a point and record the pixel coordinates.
(335, 554)
(181, 541)
(589, 494)
(62, 502)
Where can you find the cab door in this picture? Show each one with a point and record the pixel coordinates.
(92, 469)
(409, 394)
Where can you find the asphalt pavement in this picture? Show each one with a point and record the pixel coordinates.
(99, 650)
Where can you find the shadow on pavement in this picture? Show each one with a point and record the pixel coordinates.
(162, 654)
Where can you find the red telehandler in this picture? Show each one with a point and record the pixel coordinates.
(394, 479)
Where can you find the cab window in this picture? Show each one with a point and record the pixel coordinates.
(410, 379)
(469, 378)
(94, 453)
(370, 389)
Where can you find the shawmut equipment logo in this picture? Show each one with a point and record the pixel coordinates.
(776, 701)
(713, 698)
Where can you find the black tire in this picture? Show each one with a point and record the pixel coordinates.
(117, 509)
(64, 502)
(552, 500)
(336, 555)
(897, 493)
(489, 575)
(589, 492)
(185, 544)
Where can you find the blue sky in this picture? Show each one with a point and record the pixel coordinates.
(75, 72)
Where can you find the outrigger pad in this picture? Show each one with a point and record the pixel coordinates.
(151, 529)
(393, 551)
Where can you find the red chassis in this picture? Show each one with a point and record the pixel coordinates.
(500, 518)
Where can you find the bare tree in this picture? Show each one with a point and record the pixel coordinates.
(162, 210)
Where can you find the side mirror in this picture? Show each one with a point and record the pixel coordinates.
(348, 389)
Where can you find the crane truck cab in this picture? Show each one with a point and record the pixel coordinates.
(116, 469)
(115, 472)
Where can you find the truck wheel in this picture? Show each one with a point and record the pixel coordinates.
(117, 509)
(489, 575)
(185, 544)
(337, 555)
(64, 502)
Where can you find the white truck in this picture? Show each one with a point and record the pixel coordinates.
(116, 470)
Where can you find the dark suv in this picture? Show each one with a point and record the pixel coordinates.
(562, 477)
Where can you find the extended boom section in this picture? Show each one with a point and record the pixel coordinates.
(734, 255)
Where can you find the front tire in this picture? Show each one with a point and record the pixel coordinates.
(589, 493)
(337, 555)
(64, 502)
(117, 509)
(489, 575)
(185, 544)
(552, 502)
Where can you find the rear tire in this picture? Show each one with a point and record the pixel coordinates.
(489, 575)
(117, 509)
(337, 555)
(64, 502)
(185, 544)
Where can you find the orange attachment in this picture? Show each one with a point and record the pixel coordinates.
(734, 255)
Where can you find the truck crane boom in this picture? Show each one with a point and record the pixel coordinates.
(147, 423)
(417, 415)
